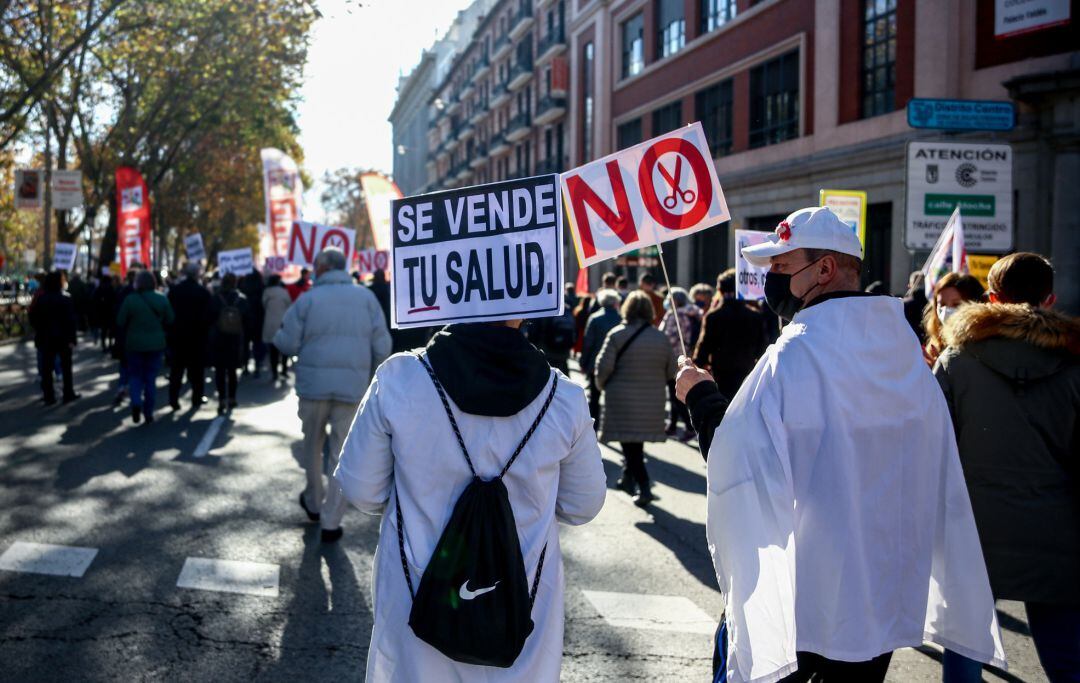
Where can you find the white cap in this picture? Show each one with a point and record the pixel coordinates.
(815, 227)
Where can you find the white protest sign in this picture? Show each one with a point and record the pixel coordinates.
(977, 177)
(236, 261)
(657, 191)
(490, 252)
(370, 260)
(193, 245)
(64, 256)
(1012, 17)
(749, 279)
(67, 192)
(306, 240)
(28, 188)
(274, 264)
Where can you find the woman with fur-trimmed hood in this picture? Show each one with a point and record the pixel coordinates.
(1011, 376)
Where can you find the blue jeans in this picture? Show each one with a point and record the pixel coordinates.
(1056, 632)
(143, 369)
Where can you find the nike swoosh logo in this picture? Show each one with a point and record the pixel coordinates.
(467, 594)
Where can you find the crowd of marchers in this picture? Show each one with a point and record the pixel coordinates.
(880, 469)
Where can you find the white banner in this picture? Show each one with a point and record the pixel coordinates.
(379, 192)
(656, 191)
(193, 245)
(29, 185)
(749, 280)
(490, 252)
(67, 191)
(64, 256)
(307, 239)
(370, 260)
(236, 261)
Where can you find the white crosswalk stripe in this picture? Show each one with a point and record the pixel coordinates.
(45, 558)
(651, 612)
(230, 576)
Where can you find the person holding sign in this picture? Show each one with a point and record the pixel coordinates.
(838, 519)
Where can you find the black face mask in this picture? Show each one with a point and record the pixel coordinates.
(778, 293)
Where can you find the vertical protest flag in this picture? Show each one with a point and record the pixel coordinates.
(379, 191)
(948, 255)
(284, 192)
(133, 230)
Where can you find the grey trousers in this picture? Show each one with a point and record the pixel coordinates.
(315, 416)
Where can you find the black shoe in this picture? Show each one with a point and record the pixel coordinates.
(149, 418)
(626, 485)
(175, 405)
(49, 401)
(232, 403)
(645, 498)
(688, 435)
(221, 409)
(313, 516)
(201, 401)
(136, 414)
(72, 397)
(331, 535)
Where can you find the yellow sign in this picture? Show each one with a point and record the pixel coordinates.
(979, 266)
(114, 268)
(850, 207)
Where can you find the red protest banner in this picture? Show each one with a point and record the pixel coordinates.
(306, 240)
(659, 190)
(134, 234)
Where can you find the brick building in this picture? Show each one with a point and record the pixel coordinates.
(794, 95)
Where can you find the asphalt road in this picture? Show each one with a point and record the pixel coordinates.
(156, 514)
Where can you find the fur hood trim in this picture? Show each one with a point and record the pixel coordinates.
(1040, 327)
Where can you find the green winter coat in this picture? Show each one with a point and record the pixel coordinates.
(1011, 376)
(143, 317)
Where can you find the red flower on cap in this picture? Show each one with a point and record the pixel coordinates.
(783, 231)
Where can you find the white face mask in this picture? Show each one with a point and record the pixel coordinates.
(945, 312)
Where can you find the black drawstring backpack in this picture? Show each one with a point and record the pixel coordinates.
(474, 603)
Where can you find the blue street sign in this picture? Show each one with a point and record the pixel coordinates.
(961, 114)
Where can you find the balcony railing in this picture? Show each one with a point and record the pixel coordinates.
(522, 20)
(497, 144)
(479, 155)
(499, 93)
(551, 165)
(518, 127)
(550, 44)
(550, 108)
(521, 71)
(500, 46)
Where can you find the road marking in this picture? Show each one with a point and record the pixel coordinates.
(653, 612)
(229, 576)
(208, 438)
(43, 558)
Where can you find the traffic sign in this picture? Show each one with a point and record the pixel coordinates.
(977, 177)
(961, 114)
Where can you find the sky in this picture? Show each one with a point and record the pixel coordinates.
(357, 51)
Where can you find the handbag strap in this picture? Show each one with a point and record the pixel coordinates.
(624, 347)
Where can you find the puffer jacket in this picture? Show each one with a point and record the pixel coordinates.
(338, 332)
(276, 302)
(635, 388)
(1011, 376)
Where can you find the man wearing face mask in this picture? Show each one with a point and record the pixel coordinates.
(838, 520)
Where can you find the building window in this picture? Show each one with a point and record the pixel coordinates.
(671, 31)
(628, 134)
(713, 108)
(878, 57)
(633, 46)
(774, 100)
(716, 13)
(587, 110)
(667, 118)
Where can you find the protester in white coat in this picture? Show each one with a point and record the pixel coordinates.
(402, 440)
(338, 332)
(839, 523)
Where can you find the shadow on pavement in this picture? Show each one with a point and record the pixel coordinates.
(684, 538)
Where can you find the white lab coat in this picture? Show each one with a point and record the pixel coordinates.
(838, 520)
(401, 433)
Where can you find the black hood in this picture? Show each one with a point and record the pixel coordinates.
(489, 370)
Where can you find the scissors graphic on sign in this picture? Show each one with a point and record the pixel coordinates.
(687, 196)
